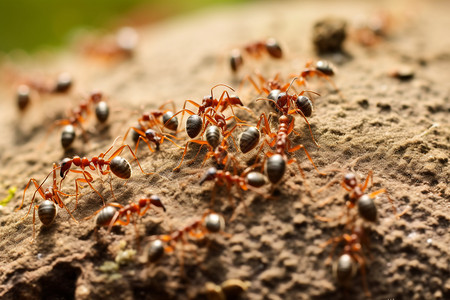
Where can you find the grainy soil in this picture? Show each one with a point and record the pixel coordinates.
(399, 129)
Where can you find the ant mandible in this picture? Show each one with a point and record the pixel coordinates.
(52, 197)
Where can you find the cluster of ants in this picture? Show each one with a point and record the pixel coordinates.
(208, 124)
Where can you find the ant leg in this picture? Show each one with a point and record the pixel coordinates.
(87, 179)
(360, 260)
(296, 110)
(174, 137)
(381, 191)
(298, 147)
(38, 189)
(34, 219)
(369, 175)
(185, 150)
(141, 138)
(61, 204)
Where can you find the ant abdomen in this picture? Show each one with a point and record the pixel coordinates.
(214, 223)
(325, 67)
(367, 208)
(194, 125)
(67, 136)
(273, 48)
(249, 139)
(344, 269)
(155, 250)
(305, 105)
(275, 167)
(120, 167)
(102, 111)
(173, 123)
(213, 136)
(23, 96)
(255, 179)
(47, 212)
(105, 216)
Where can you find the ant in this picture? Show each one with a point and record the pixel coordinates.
(116, 214)
(115, 164)
(24, 90)
(210, 223)
(256, 50)
(357, 197)
(283, 102)
(211, 109)
(217, 149)
(76, 117)
(277, 160)
(122, 46)
(52, 197)
(322, 69)
(352, 255)
(247, 180)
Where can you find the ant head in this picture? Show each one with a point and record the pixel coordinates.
(150, 134)
(96, 97)
(350, 180)
(156, 202)
(209, 175)
(65, 165)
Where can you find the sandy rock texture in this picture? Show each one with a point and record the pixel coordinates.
(397, 128)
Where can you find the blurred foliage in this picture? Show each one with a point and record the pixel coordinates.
(11, 193)
(31, 24)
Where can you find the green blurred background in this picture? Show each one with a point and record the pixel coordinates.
(33, 24)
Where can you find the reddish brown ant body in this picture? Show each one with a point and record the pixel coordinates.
(357, 197)
(116, 214)
(77, 116)
(277, 160)
(210, 223)
(25, 89)
(119, 47)
(352, 256)
(115, 164)
(210, 111)
(322, 69)
(52, 197)
(255, 50)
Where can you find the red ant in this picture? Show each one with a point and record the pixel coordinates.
(76, 117)
(144, 132)
(51, 196)
(277, 160)
(211, 109)
(116, 214)
(345, 267)
(256, 49)
(283, 103)
(62, 85)
(322, 69)
(247, 180)
(217, 149)
(121, 46)
(114, 164)
(356, 196)
(210, 222)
